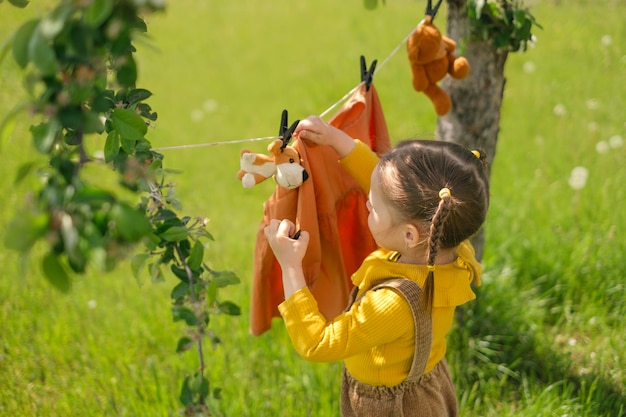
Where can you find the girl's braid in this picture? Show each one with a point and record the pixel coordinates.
(436, 229)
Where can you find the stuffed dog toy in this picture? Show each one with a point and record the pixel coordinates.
(431, 56)
(283, 163)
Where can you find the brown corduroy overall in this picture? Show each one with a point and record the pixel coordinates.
(419, 395)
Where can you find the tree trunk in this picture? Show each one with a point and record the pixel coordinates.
(474, 120)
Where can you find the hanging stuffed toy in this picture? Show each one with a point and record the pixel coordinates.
(431, 56)
(283, 162)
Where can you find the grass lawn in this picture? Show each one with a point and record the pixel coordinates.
(546, 336)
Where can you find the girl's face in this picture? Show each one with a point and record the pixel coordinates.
(383, 221)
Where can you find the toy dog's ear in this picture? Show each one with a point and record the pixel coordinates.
(275, 148)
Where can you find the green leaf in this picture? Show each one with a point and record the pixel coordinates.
(128, 145)
(186, 395)
(137, 264)
(199, 386)
(131, 224)
(65, 167)
(211, 293)
(112, 146)
(195, 258)
(217, 393)
(52, 24)
(184, 343)
(44, 135)
(72, 137)
(146, 111)
(174, 234)
(204, 386)
(102, 102)
(168, 253)
(71, 117)
(180, 290)
(127, 72)
(19, 3)
(137, 94)
(41, 53)
(151, 241)
(55, 273)
(129, 124)
(7, 123)
(77, 259)
(5, 47)
(224, 278)
(23, 172)
(23, 230)
(6, 128)
(501, 41)
(165, 214)
(97, 12)
(93, 124)
(184, 313)
(93, 196)
(98, 258)
(140, 25)
(21, 40)
(180, 273)
(80, 39)
(370, 4)
(230, 308)
(156, 275)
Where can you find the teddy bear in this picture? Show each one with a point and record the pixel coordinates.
(283, 163)
(431, 56)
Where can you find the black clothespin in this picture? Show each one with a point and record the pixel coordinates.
(285, 131)
(432, 11)
(367, 76)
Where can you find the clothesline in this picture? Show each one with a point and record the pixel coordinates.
(323, 114)
(202, 145)
(378, 68)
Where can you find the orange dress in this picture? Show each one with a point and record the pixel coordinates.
(330, 205)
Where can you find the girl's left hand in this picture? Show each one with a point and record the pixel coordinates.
(288, 251)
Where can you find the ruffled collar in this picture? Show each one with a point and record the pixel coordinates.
(452, 281)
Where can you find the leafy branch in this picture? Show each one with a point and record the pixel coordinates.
(507, 23)
(81, 75)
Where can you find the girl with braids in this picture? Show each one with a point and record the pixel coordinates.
(426, 199)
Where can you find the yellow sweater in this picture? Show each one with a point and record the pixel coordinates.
(376, 337)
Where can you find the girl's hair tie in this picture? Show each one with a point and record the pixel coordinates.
(431, 268)
(476, 153)
(444, 192)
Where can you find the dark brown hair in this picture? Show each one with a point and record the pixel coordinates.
(412, 176)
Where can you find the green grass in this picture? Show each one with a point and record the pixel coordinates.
(544, 338)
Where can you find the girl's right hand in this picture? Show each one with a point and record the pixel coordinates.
(314, 129)
(289, 251)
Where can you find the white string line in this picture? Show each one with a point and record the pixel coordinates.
(202, 145)
(341, 100)
(398, 46)
(323, 114)
(378, 68)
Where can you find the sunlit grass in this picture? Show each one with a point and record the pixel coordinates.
(545, 336)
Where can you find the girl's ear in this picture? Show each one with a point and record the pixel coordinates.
(411, 236)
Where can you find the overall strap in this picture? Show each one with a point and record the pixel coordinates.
(412, 292)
